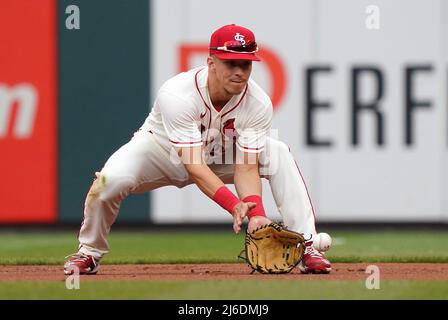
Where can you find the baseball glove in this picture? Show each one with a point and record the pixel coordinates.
(273, 249)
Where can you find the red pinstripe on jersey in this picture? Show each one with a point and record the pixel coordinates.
(205, 103)
(239, 102)
(192, 142)
(248, 148)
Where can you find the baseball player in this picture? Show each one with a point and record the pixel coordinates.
(209, 126)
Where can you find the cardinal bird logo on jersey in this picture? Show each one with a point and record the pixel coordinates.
(228, 129)
(228, 125)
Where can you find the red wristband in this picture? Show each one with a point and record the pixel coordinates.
(258, 210)
(225, 198)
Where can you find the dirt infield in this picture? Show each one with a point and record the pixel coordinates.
(161, 272)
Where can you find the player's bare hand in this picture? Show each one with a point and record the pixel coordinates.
(239, 212)
(256, 222)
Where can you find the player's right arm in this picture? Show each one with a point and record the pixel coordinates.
(208, 182)
(199, 171)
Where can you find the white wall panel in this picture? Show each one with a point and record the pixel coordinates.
(366, 182)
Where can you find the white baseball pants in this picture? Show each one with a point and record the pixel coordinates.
(145, 164)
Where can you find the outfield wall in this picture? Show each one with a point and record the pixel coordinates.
(359, 91)
(363, 110)
(81, 88)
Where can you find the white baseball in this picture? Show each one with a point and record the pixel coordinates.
(322, 241)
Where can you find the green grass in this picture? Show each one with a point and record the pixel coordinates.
(218, 247)
(229, 290)
(221, 247)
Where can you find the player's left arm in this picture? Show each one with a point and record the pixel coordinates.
(247, 177)
(250, 143)
(248, 185)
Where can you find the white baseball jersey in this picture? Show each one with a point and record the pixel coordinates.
(183, 115)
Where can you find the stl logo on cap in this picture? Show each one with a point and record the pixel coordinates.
(239, 37)
(233, 42)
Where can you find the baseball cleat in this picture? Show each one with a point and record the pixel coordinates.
(313, 261)
(85, 264)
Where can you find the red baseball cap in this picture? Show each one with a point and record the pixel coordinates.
(232, 42)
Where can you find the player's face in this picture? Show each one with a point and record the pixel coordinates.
(232, 75)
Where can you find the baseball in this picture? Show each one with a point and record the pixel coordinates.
(322, 242)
